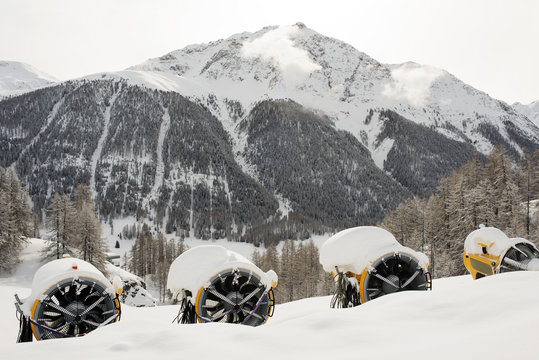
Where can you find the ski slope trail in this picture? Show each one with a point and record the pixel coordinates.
(50, 119)
(160, 167)
(99, 150)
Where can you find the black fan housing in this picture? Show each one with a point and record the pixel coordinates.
(235, 296)
(392, 273)
(73, 307)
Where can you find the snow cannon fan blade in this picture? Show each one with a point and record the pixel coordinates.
(489, 251)
(238, 292)
(69, 298)
(391, 273)
(224, 300)
(367, 262)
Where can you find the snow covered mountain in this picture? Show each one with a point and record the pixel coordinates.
(332, 77)
(224, 139)
(17, 78)
(531, 111)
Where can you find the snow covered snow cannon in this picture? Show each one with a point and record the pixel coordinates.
(214, 284)
(69, 297)
(367, 262)
(489, 251)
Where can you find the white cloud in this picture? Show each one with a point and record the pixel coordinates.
(277, 47)
(411, 82)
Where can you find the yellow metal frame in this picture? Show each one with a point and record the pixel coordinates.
(480, 264)
(361, 277)
(361, 282)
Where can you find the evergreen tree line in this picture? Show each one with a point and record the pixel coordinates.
(152, 256)
(494, 193)
(15, 219)
(298, 266)
(73, 228)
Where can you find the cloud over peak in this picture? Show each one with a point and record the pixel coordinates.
(411, 82)
(277, 47)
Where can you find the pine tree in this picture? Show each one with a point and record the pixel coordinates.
(19, 202)
(256, 258)
(162, 265)
(15, 217)
(472, 195)
(288, 275)
(61, 222)
(270, 260)
(91, 246)
(8, 236)
(527, 183)
(82, 195)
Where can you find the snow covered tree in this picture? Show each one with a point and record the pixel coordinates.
(9, 243)
(15, 217)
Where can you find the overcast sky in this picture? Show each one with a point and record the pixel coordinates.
(492, 45)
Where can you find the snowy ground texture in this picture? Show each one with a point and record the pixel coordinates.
(494, 318)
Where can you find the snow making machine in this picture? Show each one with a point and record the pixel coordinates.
(367, 262)
(489, 251)
(69, 298)
(214, 284)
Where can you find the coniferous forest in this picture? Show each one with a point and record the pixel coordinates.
(493, 191)
(496, 192)
(15, 218)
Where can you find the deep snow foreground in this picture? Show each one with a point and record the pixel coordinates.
(495, 318)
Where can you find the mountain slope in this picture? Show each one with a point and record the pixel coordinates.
(326, 174)
(17, 77)
(325, 74)
(531, 111)
(264, 135)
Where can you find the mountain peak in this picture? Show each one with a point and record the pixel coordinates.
(531, 111)
(18, 77)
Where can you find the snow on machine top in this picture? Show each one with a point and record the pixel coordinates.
(493, 239)
(194, 268)
(357, 248)
(55, 271)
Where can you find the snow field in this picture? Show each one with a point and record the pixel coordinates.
(460, 318)
(494, 317)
